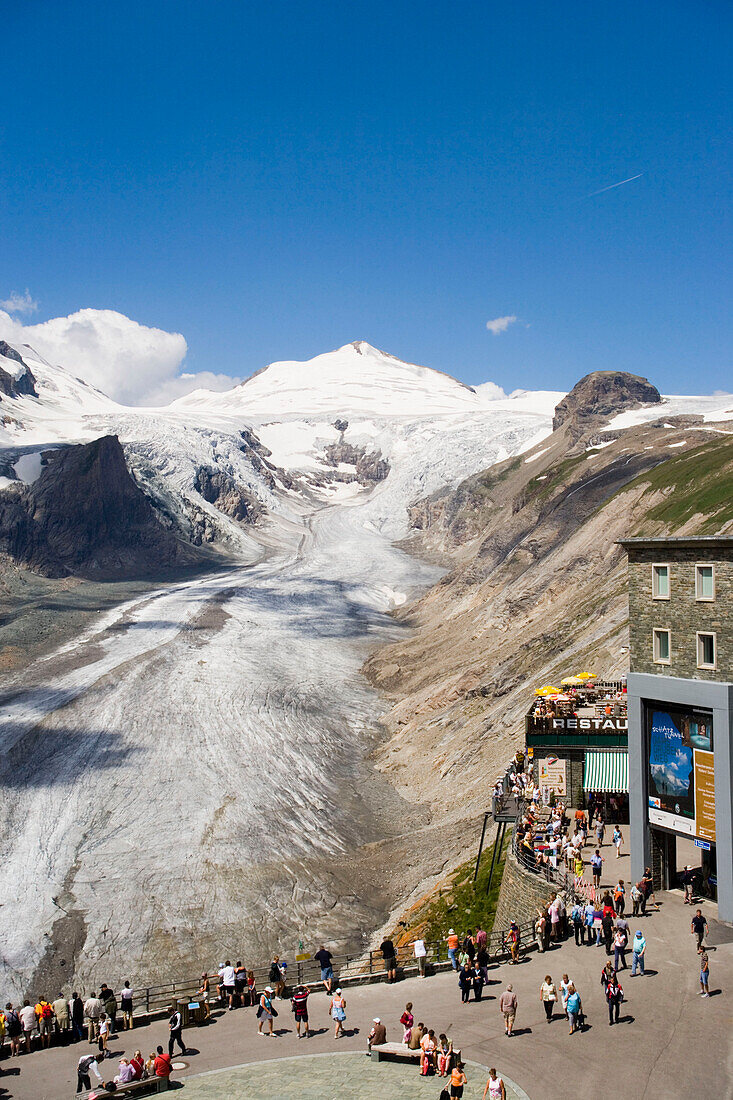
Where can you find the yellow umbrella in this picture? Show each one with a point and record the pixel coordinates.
(548, 689)
(587, 676)
(576, 680)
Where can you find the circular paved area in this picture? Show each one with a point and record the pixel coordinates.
(332, 1077)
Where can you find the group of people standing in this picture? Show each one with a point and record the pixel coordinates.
(65, 1020)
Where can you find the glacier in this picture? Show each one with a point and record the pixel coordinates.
(189, 777)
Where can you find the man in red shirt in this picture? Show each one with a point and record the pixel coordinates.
(162, 1066)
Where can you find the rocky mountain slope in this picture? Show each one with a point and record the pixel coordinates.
(535, 590)
(84, 515)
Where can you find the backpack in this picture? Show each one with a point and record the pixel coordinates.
(46, 1012)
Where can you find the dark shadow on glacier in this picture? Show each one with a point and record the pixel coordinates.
(63, 757)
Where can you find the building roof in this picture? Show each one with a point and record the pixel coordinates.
(682, 542)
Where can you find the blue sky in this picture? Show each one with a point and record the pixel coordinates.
(274, 180)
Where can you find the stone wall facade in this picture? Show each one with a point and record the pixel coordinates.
(521, 895)
(682, 614)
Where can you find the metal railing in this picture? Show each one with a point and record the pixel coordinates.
(348, 968)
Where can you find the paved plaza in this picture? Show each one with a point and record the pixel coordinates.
(671, 1042)
(330, 1077)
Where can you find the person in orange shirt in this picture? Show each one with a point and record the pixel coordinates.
(457, 1080)
(452, 941)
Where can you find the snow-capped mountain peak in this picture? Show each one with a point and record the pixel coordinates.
(354, 379)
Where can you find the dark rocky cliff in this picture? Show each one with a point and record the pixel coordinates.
(24, 384)
(603, 394)
(86, 516)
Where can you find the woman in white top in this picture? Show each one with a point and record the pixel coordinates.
(565, 984)
(548, 996)
(494, 1087)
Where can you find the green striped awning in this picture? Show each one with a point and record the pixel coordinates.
(606, 771)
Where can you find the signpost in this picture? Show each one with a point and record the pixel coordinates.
(704, 844)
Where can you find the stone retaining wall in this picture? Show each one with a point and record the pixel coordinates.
(521, 894)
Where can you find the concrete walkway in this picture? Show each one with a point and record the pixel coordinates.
(326, 1076)
(671, 1042)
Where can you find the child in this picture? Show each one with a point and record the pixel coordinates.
(407, 1020)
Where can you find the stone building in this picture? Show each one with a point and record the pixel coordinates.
(680, 710)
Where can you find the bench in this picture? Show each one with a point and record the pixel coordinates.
(135, 1088)
(395, 1050)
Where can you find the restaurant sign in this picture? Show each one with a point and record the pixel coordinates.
(604, 724)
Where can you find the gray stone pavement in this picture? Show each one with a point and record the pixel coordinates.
(325, 1076)
(672, 1043)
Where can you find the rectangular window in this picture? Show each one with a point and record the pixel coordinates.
(660, 582)
(662, 646)
(704, 582)
(706, 654)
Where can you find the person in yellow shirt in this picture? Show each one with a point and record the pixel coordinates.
(45, 1016)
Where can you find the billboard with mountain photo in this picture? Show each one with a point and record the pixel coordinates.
(677, 738)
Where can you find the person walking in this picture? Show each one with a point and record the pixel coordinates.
(618, 839)
(87, 1064)
(508, 1008)
(548, 996)
(614, 997)
(338, 1013)
(458, 1081)
(266, 1011)
(126, 1007)
(494, 1086)
(647, 889)
(574, 1009)
(565, 984)
(324, 959)
(699, 927)
(636, 899)
(688, 881)
(638, 949)
(465, 981)
(620, 941)
(596, 863)
(477, 982)
(619, 897)
(589, 916)
(576, 916)
(600, 831)
(299, 1001)
(175, 1027)
(704, 974)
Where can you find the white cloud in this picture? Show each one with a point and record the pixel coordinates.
(19, 303)
(132, 363)
(500, 324)
(490, 391)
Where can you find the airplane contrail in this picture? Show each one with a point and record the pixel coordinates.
(612, 185)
